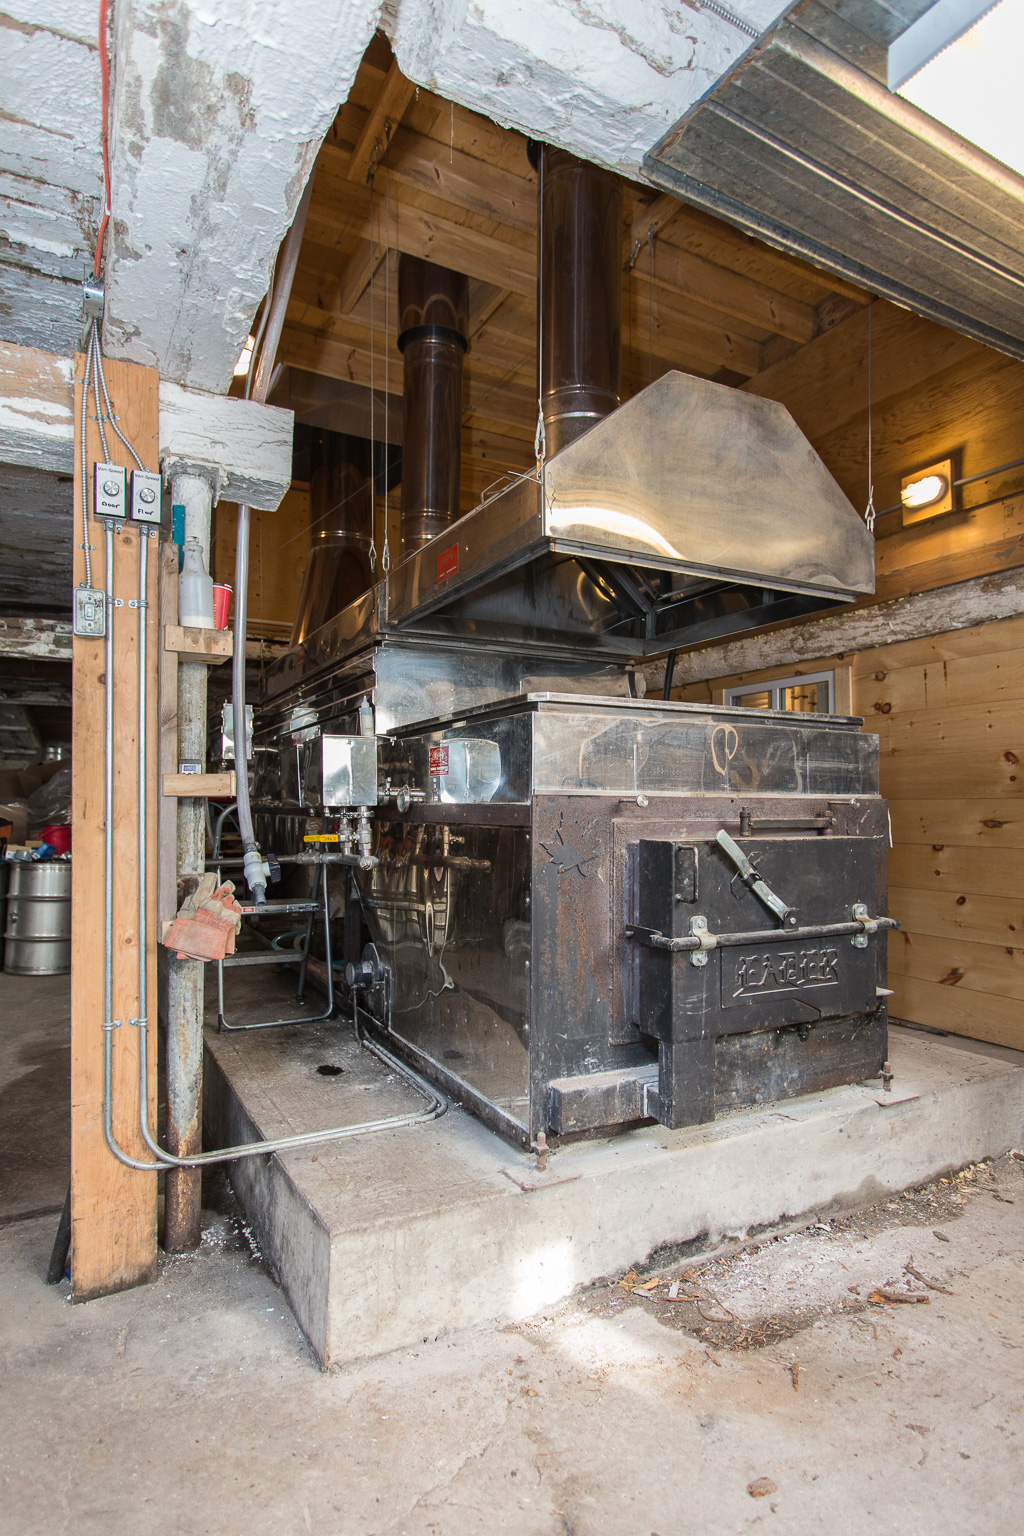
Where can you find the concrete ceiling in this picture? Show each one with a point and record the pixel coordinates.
(217, 113)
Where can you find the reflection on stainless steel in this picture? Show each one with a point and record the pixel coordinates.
(580, 215)
(454, 939)
(433, 305)
(532, 814)
(338, 569)
(689, 477)
(626, 530)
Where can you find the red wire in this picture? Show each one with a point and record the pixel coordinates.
(105, 92)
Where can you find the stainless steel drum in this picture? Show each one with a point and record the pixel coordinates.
(37, 939)
(5, 872)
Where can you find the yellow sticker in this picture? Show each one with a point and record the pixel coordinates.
(321, 837)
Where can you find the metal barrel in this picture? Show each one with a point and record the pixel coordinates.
(5, 873)
(37, 937)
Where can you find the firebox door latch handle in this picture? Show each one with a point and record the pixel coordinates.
(753, 881)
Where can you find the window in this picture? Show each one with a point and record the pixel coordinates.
(814, 693)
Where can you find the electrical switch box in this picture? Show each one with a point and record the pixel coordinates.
(145, 497)
(90, 615)
(109, 492)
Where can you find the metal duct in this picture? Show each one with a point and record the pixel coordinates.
(580, 300)
(433, 305)
(341, 516)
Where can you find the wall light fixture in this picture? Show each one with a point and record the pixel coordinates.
(927, 492)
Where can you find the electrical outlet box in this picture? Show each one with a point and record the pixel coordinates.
(145, 497)
(109, 492)
(90, 613)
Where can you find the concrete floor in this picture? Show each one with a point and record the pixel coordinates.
(194, 1406)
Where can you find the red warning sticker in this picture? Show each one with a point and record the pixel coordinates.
(438, 761)
(448, 562)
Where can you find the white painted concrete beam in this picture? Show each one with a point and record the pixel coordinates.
(245, 449)
(219, 111)
(602, 78)
(36, 409)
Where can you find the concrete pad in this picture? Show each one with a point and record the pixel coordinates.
(389, 1239)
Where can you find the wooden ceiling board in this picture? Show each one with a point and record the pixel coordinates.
(457, 189)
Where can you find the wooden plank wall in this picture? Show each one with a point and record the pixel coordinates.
(934, 393)
(949, 715)
(113, 1209)
(278, 551)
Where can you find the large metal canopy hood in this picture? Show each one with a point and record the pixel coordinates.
(803, 144)
(693, 510)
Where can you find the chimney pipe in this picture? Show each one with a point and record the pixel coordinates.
(433, 305)
(341, 505)
(579, 293)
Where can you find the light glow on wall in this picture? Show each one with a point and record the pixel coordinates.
(245, 358)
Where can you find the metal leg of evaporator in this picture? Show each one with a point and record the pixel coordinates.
(310, 911)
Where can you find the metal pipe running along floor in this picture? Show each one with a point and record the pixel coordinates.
(388, 1240)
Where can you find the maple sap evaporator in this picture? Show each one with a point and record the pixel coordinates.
(587, 907)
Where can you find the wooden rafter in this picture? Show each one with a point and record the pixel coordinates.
(457, 190)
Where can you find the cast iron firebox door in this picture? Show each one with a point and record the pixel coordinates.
(784, 973)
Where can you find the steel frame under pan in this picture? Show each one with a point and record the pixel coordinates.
(285, 908)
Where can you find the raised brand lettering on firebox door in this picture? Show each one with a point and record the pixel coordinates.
(753, 972)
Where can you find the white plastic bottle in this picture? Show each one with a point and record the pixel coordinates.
(195, 590)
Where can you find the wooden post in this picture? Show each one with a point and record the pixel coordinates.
(113, 1209)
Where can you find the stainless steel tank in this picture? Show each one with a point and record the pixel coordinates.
(37, 937)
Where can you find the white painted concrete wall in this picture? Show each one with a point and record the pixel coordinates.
(603, 78)
(220, 108)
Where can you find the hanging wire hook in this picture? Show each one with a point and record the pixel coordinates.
(385, 562)
(373, 394)
(869, 510)
(540, 445)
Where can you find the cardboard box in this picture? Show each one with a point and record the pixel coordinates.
(19, 783)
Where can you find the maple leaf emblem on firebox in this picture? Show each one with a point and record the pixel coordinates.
(565, 855)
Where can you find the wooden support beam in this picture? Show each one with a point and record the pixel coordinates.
(936, 612)
(653, 218)
(36, 639)
(113, 1208)
(825, 383)
(464, 181)
(692, 277)
(435, 238)
(36, 426)
(387, 113)
(356, 275)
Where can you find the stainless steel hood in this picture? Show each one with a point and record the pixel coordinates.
(691, 513)
(691, 501)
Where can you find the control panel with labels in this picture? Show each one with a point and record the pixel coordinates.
(145, 497)
(109, 492)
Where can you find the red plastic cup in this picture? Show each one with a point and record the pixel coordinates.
(221, 605)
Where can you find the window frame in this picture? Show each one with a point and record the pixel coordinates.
(776, 686)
